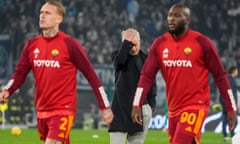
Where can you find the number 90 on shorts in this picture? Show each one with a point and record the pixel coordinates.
(192, 120)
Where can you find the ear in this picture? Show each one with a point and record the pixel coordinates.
(188, 20)
(59, 19)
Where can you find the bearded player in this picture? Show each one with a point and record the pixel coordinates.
(185, 58)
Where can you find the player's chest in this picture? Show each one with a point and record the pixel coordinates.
(48, 54)
(179, 51)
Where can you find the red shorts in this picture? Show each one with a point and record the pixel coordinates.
(186, 127)
(56, 127)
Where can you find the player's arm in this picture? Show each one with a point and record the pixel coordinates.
(19, 75)
(213, 63)
(147, 77)
(82, 62)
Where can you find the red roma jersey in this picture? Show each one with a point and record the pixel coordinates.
(185, 64)
(54, 62)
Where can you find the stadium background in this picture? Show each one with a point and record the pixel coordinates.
(97, 25)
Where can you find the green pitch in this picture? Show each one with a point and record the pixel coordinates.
(30, 136)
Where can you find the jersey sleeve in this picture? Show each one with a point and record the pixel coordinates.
(21, 70)
(82, 62)
(214, 65)
(147, 77)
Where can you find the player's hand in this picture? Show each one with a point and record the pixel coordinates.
(3, 96)
(232, 120)
(137, 115)
(107, 116)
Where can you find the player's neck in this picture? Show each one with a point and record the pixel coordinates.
(179, 35)
(49, 33)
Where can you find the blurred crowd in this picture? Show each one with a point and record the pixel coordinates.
(97, 24)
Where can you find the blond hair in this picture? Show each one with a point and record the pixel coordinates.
(60, 8)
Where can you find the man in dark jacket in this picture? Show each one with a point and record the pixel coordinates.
(232, 75)
(128, 61)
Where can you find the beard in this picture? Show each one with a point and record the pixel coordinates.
(178, 30)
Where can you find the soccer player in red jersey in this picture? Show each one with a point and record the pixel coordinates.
(185, 57)
(54, 58)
